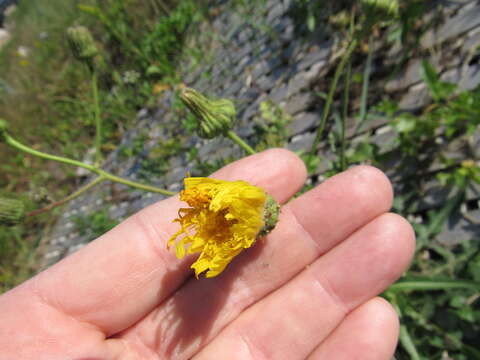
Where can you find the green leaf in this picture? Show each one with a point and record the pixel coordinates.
(430, 76)
(408, 344)
(438, 89)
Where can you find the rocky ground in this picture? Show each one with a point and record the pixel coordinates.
(259, 55)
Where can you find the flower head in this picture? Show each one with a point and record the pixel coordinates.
(225, 217)
(82, 44)
(215, 117)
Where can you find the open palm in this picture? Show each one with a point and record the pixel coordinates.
(308, 290)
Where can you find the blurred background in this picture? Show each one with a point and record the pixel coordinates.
(390, 84)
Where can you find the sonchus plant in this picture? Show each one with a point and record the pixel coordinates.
(215, 117)
(12, 211)
(224, 218)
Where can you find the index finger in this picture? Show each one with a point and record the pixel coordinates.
(123, 275)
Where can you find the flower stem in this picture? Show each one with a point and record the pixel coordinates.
(240, 142)
(68, 198)
(343, 130)
(338, 72)
(19, 146)
(106, 175)
(98, 120)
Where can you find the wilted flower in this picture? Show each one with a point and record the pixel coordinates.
(12, 211)
(215, 117)
(225, 217)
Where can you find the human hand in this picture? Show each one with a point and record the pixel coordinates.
(307, 291)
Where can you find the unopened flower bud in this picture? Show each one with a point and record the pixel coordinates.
(82, 45)
(12, 211)
(215, 117)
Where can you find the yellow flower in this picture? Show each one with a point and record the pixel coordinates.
(225, 217)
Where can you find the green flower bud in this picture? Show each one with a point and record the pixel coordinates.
(382, 9)
(271, 213)
(3, 129)
(215, 117)
(82, 44)
(12, 211)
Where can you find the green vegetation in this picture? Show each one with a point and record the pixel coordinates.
(55, 105)
(95, 224)
(437, 298)
(271, 126)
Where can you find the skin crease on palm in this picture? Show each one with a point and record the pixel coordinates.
(306, 291)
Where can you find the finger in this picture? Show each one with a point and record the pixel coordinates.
(308, 227)
(369, 332)
(120, 277)
(292, 321)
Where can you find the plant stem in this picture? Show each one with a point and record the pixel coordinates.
(240, 142)
(326, 111)
(365, 86)
(343, 130)
(98, 120)
(68, 198)
(134, 184)
(107, 176)
(19, 146)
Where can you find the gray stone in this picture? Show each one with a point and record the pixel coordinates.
(281, 25)
(472, 42)
(459, 228)
(454, 26)
(407, 78)
(299, 102)
(245, 35)
(299, 82)
(251, 111)
(274, 12)
(383, 135)
(207, 147)
(315, 55)
(287, 33)
(245, 131)
(416, 98)
(261, 68)
(175, 175)
(303, 122)
(118, 212)
(264, 83)
(471, 79)
(279, 94)
(233, 89)
(245, 50)
(301, 142)
(280, 75)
